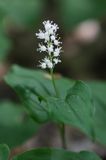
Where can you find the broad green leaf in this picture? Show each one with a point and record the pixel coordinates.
(4, 152)
(75, 110)
(15, 126)
(38, 79)
(47, 154)
(73, 12)
(56, 154)
(99, 90)
(74, 106)
(99, 99)
(33, 87)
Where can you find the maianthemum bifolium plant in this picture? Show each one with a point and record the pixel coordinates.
(51, 47)
(51, 99)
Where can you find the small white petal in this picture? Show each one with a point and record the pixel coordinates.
(40, 35)
(57, 52)
(52, 37)
(50, 48)
(43, 65)
(42, 48)
(50, 31)
(46, 36)
(48, 62)
(56, 42)
(55, 27)
(56, 60)
(50, 65)
(47, 25)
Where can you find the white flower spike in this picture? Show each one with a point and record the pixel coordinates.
(50, 45)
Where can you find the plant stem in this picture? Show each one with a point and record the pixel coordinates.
(63, 138)
(61, 126)
(54, 85)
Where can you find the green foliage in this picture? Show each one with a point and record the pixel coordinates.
(28, 12)
(15, 125)
(4, 152)
(56, 154)
(5, 45)
(19, 12)
(73, 12)
(74, 107)
(48, 154)
(99, 100)
(32, 86)
(22, 12)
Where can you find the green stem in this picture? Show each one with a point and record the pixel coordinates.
(54, 85)
(63, 138)
(62, 126)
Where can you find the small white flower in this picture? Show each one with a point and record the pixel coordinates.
(57, 52)
(50, 49)
(56, 42)
(48, 62)
(55, 27)
(50, 65)
(46, 36)
(51, 31)
(40, 35)
(52, 38)
(42, 48)
(47, 25)
(43, 65)
(56, 60)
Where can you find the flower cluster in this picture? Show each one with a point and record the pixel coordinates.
(50, 45)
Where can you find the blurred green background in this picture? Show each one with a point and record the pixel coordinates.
(82, 26)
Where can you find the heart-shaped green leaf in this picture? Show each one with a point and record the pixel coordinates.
(34, 87)
(75, 110)
(74, 106)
